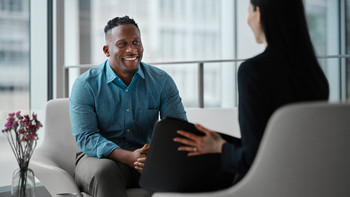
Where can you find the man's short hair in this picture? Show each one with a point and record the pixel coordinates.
(115, 22)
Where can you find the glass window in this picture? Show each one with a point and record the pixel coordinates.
(14, 73)
(322, 18)
(209, 31)
(166, 34)
(317, 21)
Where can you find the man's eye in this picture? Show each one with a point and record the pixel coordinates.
(122, 44)
(136, 42)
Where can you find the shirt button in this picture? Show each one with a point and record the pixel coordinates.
(127, 110)
(119, 79)
(128, 130)
(126, 90)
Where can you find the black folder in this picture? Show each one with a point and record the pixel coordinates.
(169, 170)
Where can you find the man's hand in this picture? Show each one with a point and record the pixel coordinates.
(130, 157)
(140, 162)
(145, 148)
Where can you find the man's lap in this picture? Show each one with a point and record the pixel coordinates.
(93, 174)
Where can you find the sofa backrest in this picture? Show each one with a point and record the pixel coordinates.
(58, 139)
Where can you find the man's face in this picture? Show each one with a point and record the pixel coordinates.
(124, 49)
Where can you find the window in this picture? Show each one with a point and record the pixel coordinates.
(200, 30)
(172, 31)
(23, 69)
(324, 31)
(14, 73)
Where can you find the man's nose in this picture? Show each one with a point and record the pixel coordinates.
(130, 48)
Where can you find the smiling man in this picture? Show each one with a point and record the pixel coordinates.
(113, 108)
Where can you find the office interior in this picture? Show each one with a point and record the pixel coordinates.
(46, 44)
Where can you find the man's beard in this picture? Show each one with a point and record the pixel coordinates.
(130, 71)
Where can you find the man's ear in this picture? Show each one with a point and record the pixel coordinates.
(106, 50)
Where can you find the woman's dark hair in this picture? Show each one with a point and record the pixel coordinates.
(285, 27)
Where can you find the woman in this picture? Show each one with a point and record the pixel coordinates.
(286, 72)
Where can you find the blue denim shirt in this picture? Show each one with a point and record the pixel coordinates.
(106, 114)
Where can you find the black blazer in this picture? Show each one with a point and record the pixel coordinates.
(265, 83)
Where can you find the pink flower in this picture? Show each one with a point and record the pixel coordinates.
(22, 135)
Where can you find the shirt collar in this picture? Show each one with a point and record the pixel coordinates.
(111, 76)
(140, 71)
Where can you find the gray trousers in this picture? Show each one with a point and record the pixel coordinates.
(104, 177)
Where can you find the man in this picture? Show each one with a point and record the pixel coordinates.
(113, 108)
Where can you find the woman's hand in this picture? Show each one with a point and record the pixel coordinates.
(211, 142)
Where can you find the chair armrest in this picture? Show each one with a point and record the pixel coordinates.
(55, 179)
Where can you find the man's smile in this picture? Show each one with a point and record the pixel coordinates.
(130, 58)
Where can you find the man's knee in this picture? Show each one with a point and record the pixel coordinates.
(112, 178)
(111, 171)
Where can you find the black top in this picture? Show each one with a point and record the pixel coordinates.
(265, 83)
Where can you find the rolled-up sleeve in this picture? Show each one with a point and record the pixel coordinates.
(84, 122)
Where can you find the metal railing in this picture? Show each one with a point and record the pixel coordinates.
(200, 64)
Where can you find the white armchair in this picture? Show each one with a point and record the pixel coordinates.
(305, 152)
(53, 162)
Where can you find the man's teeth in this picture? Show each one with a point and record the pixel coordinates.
(130, 58)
